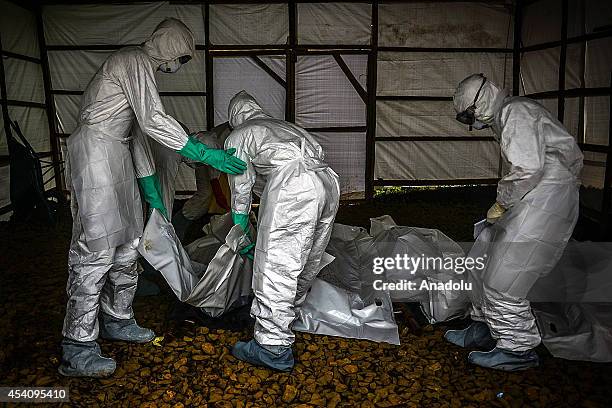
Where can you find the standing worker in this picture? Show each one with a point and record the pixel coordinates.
(299, 202)
(532, 220)
(103, 164)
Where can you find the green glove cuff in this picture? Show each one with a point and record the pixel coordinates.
(193, 149)
(242, 220)
(151, 191)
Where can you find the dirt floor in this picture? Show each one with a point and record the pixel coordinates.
(193, 366)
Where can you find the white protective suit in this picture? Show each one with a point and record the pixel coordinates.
(299, 202)
(167, 163)
(103, 162)
(540, 195)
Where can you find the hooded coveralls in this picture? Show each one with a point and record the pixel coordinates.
(299, 200)
(540, 195)
(102, 166)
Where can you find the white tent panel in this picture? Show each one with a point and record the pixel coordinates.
(541, 22)
(597, 14)
(115, 24)
(425, 160)
(72, 70)
(594, 170)
(260, 24)
(346, 154)
(599, 63)
(18, 29)
(191, 76)
(324, 95)
(3, 143)
(412, 74)
(574, 65)
(67, 111)
(234, 74)
(540, 71)
(5, 192)
(571, 115)
(24, 80)
(334, 23)
(552, 105)
(452, 24)
(190, 110)
(597, 120)
(33, 124)
(420, 118)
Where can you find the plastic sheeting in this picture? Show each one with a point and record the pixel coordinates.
(540, 71)
(234, 74)
(346, 154)
(24, 80)
(411, 73)
(215, 288)
(5, 193)
(342, 301)
(260, 24)
(541, 22)
(18, 29)
(334, 23)
(324, 96)
(436, 160)
(115, 24)
(453, 24)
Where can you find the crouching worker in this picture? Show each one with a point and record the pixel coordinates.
(106, 203)
(299, 202)
(532, 220)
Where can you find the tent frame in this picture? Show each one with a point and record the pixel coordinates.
(292, 50)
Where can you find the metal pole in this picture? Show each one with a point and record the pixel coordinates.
(290, 60)
(208, 62)
(49, 103)
(371, 106)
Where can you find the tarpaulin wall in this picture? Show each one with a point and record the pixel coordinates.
(566, 64)
(373, 82)
(22, 93)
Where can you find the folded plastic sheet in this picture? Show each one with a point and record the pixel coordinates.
(224, 283)
(392, 240)
(342, 301)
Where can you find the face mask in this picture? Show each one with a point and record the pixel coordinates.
(468, 116)
(478, 125)
(171, 66)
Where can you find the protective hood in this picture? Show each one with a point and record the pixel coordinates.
(170, 40)
(243, 107)
(489, 101)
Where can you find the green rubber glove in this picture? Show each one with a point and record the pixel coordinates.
(248, 251)
(242, 220)
(151, 192)
(220, 159)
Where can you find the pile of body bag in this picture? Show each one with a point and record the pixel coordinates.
(210, 273)
(571, 304)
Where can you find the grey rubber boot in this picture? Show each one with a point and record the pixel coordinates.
(477, 335)
(124, 330)
(505, 360)
(84, 359)
(280, 359)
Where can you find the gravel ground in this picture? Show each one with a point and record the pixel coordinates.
(193, 366)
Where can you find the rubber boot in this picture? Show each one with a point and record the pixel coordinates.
(505, 360)
(281, 359)
(112, 328)
(477, 336)
(84, 359)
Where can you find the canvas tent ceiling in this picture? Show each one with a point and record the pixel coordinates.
(373, 82)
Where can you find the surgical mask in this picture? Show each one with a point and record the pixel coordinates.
(171, 67)
(468, 116)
